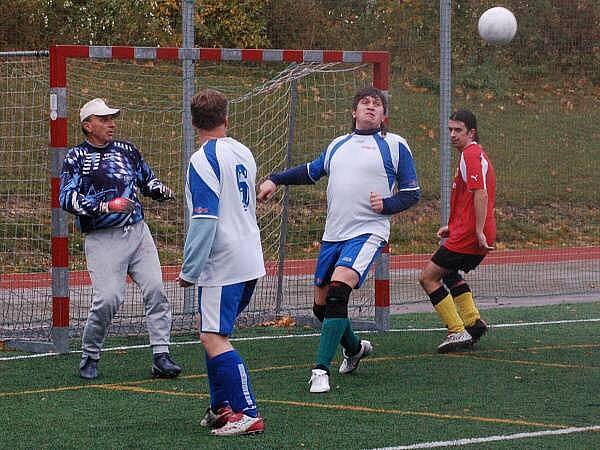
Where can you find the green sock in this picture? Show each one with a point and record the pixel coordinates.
(331, 334)
(350, 341)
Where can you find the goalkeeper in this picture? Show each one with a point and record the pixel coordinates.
(371, 177)
(99, 183)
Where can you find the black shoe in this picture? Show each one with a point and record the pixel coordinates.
(164, 367)
(88, 368)
(478, 329)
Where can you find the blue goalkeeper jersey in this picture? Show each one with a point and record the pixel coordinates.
(91, 175)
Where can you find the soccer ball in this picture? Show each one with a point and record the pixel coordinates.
(497, 25)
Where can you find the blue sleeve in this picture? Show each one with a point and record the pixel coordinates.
(408, 192)
(71, 200)
(149, 184)
(303, 174)
(144, 173)
(400, 201)
(198, 243)
(205, 202)
(316, 168)
(406, 175)
(295, 175)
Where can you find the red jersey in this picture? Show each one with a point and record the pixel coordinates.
(475, 171)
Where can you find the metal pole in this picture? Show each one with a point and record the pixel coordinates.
(445, 105)
(25, 53)
(285, 212)
(187, 11)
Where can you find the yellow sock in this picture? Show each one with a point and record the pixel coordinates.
(466, 308)
(447, 311)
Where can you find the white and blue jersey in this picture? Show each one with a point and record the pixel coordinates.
(358, 164)
(91, 175)
(221, 185)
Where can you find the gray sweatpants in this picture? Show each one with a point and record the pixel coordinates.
(111, 254)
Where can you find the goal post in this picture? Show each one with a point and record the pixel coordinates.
(257, 123)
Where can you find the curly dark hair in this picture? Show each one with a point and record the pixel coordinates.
(370, 91)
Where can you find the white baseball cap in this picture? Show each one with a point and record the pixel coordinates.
(96, 107)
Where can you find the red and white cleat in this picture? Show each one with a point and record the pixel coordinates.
(238, 424)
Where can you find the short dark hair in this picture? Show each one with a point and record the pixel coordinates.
(468, 118)
(209, 109)
(369, 91)
(85, 133)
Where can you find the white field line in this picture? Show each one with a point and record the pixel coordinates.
(506, 437)
(307, 335)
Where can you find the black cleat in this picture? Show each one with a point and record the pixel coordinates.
(88, 368)
(478, 329)
(164, 367)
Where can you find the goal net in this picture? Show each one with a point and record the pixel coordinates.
(286, 106)
(25, 297)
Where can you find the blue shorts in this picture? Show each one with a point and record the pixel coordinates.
(221, 305)
(357, 253)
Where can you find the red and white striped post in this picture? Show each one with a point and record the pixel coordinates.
(382, 290)
(381, 79)
(60, 242)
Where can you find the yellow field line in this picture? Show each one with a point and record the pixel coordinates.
(46, 390)
(140, 390)
(339, 407)
(412, 413)
(522, 362)
(545, 347)
(301, 366)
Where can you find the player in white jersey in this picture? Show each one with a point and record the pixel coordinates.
(371, 176)
(223, 256)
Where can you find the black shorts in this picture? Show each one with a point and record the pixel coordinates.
(456, 261)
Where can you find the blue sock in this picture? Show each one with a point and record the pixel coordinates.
(218, 396)
(232, 371)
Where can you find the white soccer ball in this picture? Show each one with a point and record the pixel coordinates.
(497, 25)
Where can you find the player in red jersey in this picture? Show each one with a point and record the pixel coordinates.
(467, 238)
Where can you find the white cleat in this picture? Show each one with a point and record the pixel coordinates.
(350, 363)
(455, 341)
(319, 381)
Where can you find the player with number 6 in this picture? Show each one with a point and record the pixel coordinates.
(223, 256)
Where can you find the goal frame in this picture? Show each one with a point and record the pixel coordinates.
(60, 54)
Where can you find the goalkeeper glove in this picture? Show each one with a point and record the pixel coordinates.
(119, 205)
(162, 193)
